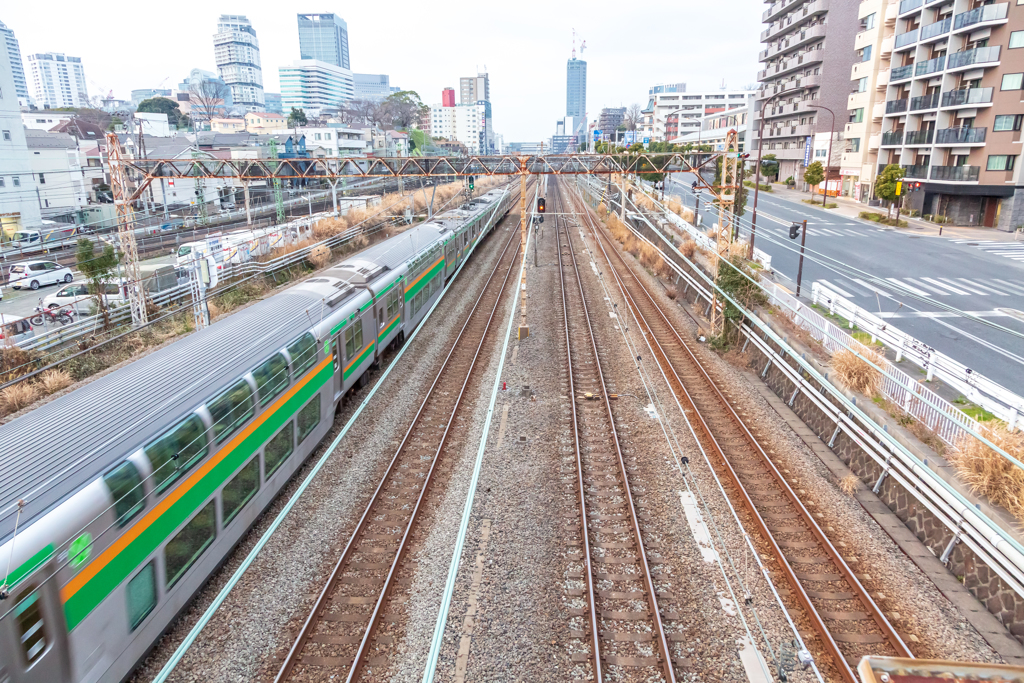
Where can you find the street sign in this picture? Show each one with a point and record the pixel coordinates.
(647, 141)
(808, 146)
(899, 187)
(597, 135)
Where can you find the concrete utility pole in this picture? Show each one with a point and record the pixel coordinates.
(524, 329)
(125, 231)
(726, 216)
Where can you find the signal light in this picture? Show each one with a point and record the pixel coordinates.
(472, 182)
(794, 231)
(540, 205)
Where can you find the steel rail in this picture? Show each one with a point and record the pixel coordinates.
(327, 592)
(652, 598)
(871, 609)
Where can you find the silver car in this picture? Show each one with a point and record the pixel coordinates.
(35, 274)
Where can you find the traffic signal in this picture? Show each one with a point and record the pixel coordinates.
(472, 182)
(917, 187)
(540, 205)
(794, 231)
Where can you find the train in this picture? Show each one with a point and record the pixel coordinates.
(122, 497)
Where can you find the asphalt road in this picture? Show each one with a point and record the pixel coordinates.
(985, 278)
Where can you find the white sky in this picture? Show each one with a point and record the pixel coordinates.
(425, 46)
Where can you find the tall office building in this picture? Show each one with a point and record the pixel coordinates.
(808, 54)
(58, 81)
(473, 89)
(324, 37)
(237, 54)
(576, 88)
(448, 97)
(19, 203)
(17, 66)
(314, 86)
(673, 113)
(372, 86)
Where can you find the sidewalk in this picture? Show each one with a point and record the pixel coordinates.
(849, 208)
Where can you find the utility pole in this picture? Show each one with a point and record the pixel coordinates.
(125, 232)
(800, 267)
(726, 215)
(201, 217)
(248, 213)
(278, 198)
(524, 329)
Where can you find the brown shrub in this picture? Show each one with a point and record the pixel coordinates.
(320, 256)
(987, 472)
(14, 362)
(687, 248)
(848, 484)
(54, 380)
(18, 396)
(855, 372)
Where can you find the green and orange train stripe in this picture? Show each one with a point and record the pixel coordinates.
(357, 361)
(389, 327)
(111, 568)
(413, 288)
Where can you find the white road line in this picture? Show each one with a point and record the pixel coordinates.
(924, 285)
(968, 285)
(915, 290)
(944, 285)
(1015, 288)
(981, 285)
(855, 288)
(837, 289)
(872, 288)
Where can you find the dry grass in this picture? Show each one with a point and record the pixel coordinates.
(653, 261)
(602, 210)
(54, 380)
(848, 484)
(18, 396)
(14, 363)
(320, 256)
(671, 292)
(687, 248)
(988, 473)
(855, 372)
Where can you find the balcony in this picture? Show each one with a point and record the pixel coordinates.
(981, 15)
(891, 13)
(877, 112)
(959, 174)
(893, 138)
(899, 73)
(873, 142)
(919, 171)
(930, 67)
(910, 5)
(777, 9)
(961, 136)
(967, 98)
(797, 17)
(919, 137)
(937, 29)
(896, 106)
(908, 38)
(882, 80)
(979, 55)
(924, 102)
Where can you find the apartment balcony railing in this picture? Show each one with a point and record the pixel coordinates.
(924, 102)
(920, 171)
(969, 96)
(899, 73)
(919, 137)
(956, 173)
(936, 29)
(896, 106)
(892, 138)
(960, 136)
(910, 5)
(930, 67)
(978, 55)
(980, 15)
(907, 38)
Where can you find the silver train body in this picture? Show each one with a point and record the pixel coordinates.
(136, 486)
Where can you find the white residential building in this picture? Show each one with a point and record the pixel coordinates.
(42, 119)
(58, 81)
(670, 115)
(331, 142)
(19, 207)
(315, 86)
(17, 66)
(465, 123)
(237, 54)
(57, 168)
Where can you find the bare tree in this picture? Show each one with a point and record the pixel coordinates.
(206, 98)
(634, 116)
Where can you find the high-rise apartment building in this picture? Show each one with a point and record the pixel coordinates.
(236, 52)
(473, 89)
(448, 97)
(807, 58)
(315, 86)
(19, 204)
(58, 81)
(610, 119)
(952, 113)
(324, 37)
(465, 123)
(17, 66)
(576, 87)
(672, 114)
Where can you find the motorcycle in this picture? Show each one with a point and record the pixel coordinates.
(46, 315)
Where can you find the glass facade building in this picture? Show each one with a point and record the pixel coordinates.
(324, 37)
(576, 88)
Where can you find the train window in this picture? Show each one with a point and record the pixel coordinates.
(394, 297)
(31, 629)
(240, 489)
(230, 410)
(278, 449)
(309, 418)
(125, 486)
(303, 353)
(177, 451)
(353, 340)
(141, 595)
(271, 377)
(182, 551)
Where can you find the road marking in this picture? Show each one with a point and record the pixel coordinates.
(988, 287)
(838, 290)
(959, 282)
(873, 289)
(1015, 288)
(915, 290)
(933, 288)
(855, 288)
(942, 284)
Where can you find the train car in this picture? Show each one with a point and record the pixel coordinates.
(122, 497)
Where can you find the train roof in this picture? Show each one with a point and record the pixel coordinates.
(53, 451)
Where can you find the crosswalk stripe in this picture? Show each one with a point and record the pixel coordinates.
(944, 285)
(980, 285)
(931, 288)
(837, 289)
(966, 285)
(872, 288)
(1013, 287)
(850, 285)
(913, 289)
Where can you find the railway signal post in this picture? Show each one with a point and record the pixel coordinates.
(726, 218)
(126, 229)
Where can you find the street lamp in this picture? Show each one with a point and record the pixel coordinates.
(828, 163)
(757, 170)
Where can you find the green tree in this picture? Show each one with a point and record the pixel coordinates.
(98, 269)
(885, 185)
(114, 123)
(813, 175)
(296, 118)
(769, 166)
(161, 105)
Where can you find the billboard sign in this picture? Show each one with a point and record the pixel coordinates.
(808, 147)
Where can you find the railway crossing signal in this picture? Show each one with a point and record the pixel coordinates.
(540, 205)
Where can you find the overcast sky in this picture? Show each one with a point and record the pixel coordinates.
(426, 46)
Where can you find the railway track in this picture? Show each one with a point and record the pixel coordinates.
(621, 621)
(846, 620)
(349, 630)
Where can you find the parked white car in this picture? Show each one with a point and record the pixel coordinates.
(78, 295)
(35, 274)
(14, 329)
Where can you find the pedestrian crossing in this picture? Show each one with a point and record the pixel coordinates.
(823, 232)
(1010, 250)
(853, 287)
